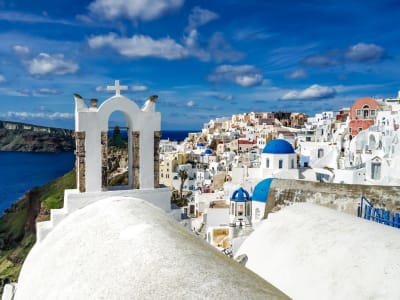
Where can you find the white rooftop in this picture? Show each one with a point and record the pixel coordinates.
(125, 248)
(313, 252)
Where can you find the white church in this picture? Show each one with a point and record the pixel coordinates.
(119, 242)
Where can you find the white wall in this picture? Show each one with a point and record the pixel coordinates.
(95, 120)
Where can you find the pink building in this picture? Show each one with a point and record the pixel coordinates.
(362, 114)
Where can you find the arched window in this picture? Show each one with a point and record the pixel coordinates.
(376, 170)
(366, 111)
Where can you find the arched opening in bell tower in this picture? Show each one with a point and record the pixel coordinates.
(116, 169)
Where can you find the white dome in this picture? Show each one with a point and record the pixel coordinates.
(125, 248)
(314, 252)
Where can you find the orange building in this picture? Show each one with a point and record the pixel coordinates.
(362, 114)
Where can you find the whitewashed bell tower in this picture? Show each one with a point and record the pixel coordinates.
(91, 127)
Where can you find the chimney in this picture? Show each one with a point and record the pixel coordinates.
(93, 103)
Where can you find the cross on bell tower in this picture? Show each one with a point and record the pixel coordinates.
(117, 88)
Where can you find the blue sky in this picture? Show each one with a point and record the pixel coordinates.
(204, 59)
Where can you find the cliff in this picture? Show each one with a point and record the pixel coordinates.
(32, 138)
(17, 225)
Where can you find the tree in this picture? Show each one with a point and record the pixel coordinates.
(182, 174)
(117, 139)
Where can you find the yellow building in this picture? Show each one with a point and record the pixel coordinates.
(168, 165)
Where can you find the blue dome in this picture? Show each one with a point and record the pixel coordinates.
(208, 152)
(240, 195)
(278, 146)
(200, 145)
(261, 190)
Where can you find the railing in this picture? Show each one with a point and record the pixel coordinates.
(379, 215)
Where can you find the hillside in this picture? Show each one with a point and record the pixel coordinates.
(17, 225)
(32, 138)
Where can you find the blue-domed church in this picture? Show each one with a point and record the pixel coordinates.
(278, 159)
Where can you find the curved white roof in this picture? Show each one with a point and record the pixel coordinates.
(313, 252)
(125, 248)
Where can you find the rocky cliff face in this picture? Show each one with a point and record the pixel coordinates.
(18, 224)
(31, 138)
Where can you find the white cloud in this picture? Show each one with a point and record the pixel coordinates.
(221, 50)
(39, 115)
(218, 95)
(192, 47)
(249, 80)
(247, 34)
(21, 50)
(139, 88)
(358, 87)
(190, 103)
(140, 46)
(297, 74)
(84, 19)
(313, 92)
(364, 53)
(45, 64)
(244, 75)
(321, 60)
(133, 9)
(46, 91)
(13, 16)
(102, 40)
(2, 78)
(13, 92)
(199, 17)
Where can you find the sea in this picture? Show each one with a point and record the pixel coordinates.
(22, 171)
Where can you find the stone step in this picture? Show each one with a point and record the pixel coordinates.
(56, 215)
(42, 229)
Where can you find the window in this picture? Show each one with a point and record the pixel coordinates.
(320, 153)
(248, 208)
(373, 112)
(359, 129)
(280, 164)
(358, 112)
(292, 164)
(267, 163)
(365, 111)
(376, 170)
(240, 209)
(322, 177)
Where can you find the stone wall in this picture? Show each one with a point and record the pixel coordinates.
(342, 197)
(157, 136)
(80, 154)
(136, 159)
